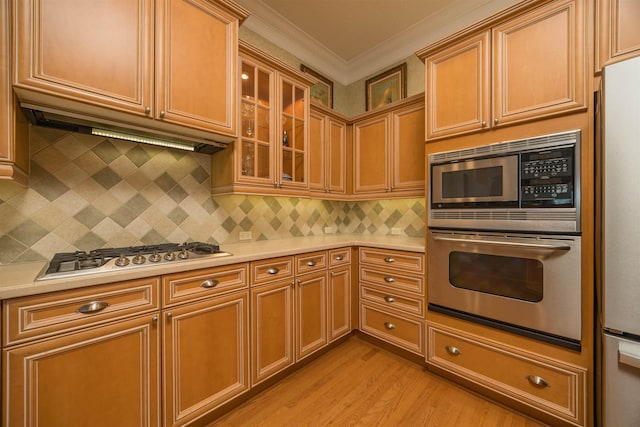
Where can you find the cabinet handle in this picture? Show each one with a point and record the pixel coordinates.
(484, 124)
(495, 121)
(537, 381)
(339, 258)
(389, 279)
(169, 315)
(454, 351)
(389, 260)
(273, 270)
(386, 188)
(293, 283)
(92, 307)
(389, 299)
(210, 283)
(311, 263)
(390, 326)
(162, 114)
(155, 319)
(333, 274)
(147, 110)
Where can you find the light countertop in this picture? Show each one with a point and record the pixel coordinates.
(19, 279)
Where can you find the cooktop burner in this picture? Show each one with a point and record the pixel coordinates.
(70, 264)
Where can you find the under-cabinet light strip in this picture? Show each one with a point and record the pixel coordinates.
(142, 139)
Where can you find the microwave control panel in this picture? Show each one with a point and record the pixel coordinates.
(547, 178)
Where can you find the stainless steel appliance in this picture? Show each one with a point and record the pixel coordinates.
(619, 156)
(529, 185)
(525, 283)
(72, 264)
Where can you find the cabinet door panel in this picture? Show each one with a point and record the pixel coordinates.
(103, 377)
(457, 88)
(196, 65)
(370, 150)
(408, 149)
(317, 149)
(206, 350)
(539, 66)
(339, 302)
(336, 156)
(618, 30)
(99, 52)
(311, 313)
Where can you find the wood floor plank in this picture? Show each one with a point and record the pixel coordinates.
(359, 384)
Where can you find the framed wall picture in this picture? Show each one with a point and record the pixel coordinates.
(321, 92)
(387, 87)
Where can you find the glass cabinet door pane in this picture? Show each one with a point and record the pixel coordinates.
(248, 159)
(248, 81)
(264, 86)
(298, 174)
(247, 114)
(287, 166)
(299, 109)
(263, 161)
(298, 136)
(287, 98)
(263, 125)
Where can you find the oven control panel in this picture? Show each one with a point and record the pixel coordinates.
(547, 178)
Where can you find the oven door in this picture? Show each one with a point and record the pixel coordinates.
(475, 182)
(532, 282)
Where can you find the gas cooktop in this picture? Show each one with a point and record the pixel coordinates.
(71, 264)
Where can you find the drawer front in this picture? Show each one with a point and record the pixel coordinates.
(548, 385)
(402, 331)
(44, 315)
(392, 280)
(392, 299)
(200, 284)
(406, 261)
(339, 257)
(314, 261)
(268, 270)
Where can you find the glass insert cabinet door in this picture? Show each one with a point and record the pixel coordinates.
(293, 133)
(256, 162)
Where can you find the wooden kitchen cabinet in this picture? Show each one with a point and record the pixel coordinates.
(617, 30)
(327, 154)
(388, 149)
(164, 61)
(552, 387)
(392, 297)
(529, 66)
(56, 378)
(271, 154)
(14, 129)
(206, 356)
(339, 293)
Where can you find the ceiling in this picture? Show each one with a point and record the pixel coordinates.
(348, 40)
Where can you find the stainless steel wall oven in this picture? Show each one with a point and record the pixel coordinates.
(504, 245)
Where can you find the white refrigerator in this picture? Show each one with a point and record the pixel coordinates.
(619, 302)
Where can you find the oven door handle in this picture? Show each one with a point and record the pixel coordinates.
(547, 246)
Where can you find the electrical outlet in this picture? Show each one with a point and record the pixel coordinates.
(396, 231)
(245, 235)
(328, 230)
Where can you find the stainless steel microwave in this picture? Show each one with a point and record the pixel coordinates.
(527, 185)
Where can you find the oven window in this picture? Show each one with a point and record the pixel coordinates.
(519, 278)
(481, 182)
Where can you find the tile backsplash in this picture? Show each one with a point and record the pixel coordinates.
(87, 192)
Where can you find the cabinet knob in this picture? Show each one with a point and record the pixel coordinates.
(389, 260)
(454, 351)
(390, 326)
(147, 110)
(339, 258)
(484, 124)
(162, 114)
(210, 283)
(389, 279)
(169, 315)
(92, 307)
(273, 270)
(333, 274)
(155, 319)
(293, 283)
(537, 381)
(389, 299)
(495, 121)
(311, 263)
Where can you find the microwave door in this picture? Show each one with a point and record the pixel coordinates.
(475, 181)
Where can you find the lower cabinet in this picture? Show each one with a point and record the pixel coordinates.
(311, 313)
(206, 352)
(102, 377)
(550, 386)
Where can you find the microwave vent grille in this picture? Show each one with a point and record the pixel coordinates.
(554, 140)
(505, 215)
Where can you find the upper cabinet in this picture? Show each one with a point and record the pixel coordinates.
(271, 154)
(524, 66)
(14, 129)
(163, 62)
(327, 154)
(388, 151)
(617, 30)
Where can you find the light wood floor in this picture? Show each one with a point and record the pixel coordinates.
(359, 384)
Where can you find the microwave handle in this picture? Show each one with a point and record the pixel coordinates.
(551, 247)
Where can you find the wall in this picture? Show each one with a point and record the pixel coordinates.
(348, 100)
(87, 192)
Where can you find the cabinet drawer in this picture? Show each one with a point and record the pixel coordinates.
(392, 280)
(402, 331)
(392, 299)
(48, 314)
(193, 285)
(313, 261)
(546, 384)
(271, 269)
(407, 261)
(338, 257)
